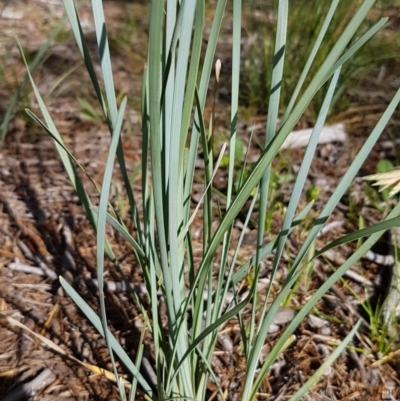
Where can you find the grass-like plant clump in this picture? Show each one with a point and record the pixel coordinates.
(200, 296)
(303, 29)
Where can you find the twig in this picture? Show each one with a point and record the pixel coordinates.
(27, 390)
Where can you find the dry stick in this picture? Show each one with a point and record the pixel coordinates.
(391, 309)
(28, 390)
